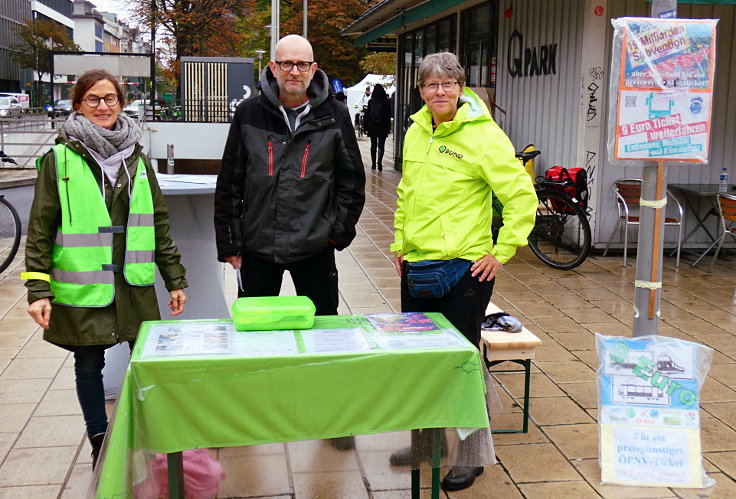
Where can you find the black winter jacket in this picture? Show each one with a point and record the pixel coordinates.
(285, 196)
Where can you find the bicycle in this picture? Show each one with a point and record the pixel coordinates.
(561, 235)
(9, 233)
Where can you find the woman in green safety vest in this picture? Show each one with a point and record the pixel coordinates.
(98, 229)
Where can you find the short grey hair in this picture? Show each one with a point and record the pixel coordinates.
(441, 65)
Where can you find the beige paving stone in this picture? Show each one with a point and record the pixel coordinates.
(567, 372)
(59, 403)
(715, 435)
(557, 410)
(724, 373)
(318, 455)
(40, 349)
(78, 482)
(535, 463)
(13, 417)
(724, 461)
(589, 358)
(725, 411)
(539, 385)
(64, 380)
(557, 325)
(579, 489)
(537, 309)
(610, 328)
(52, 431)
(253, 476)
(22, 391)
(41, 466)
(576, 441)
(330, 484)
(587, 315)
(29, 368)
(584, 394)
(552, 351)
(30, 492)
(582, 340)
(591, 471)
(515, 422)
(725, 488)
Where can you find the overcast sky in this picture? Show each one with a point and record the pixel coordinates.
(116, 6)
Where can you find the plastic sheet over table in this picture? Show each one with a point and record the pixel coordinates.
(200, 384)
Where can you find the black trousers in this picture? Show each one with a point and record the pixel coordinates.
(314, 277)
(465, 305)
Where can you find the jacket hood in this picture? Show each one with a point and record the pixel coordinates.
(318, 89)
(470, 108)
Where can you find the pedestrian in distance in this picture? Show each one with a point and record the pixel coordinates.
(378, 124)
(98, 229)
(443, 216)
(291, 185)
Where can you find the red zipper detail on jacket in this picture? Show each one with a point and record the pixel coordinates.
(304, 158)
(270, 158)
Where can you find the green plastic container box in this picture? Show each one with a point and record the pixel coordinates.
(266, 313)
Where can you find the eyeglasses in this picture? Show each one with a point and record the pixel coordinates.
(302, 66)
(94, 101)
(446, 86)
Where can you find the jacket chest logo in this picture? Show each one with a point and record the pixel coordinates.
(450, 152)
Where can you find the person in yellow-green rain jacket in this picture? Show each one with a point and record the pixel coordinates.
(97, 230)
(455, 158)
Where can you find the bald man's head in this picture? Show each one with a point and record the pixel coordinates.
(291, 43)
(293, 69)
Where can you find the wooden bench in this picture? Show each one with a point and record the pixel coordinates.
(499, 346)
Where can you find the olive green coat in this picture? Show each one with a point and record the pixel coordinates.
(121, 320)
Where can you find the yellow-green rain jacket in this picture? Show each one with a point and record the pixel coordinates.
(444, 208)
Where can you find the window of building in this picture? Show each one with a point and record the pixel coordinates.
(478, 44)
(98, 30)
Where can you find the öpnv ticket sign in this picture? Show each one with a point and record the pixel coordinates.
(665, 88)
(649, 415)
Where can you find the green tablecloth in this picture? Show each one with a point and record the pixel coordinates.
(200, 384)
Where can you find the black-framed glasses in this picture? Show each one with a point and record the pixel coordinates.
(94, 101)
(302, 66)
(446, 86)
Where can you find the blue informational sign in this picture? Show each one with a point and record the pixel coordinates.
(337, 85)
(649, 410)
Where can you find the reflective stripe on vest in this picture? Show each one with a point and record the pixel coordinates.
(140, 244)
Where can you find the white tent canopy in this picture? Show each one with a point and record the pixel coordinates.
(355, 93)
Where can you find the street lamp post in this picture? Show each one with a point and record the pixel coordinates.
(260, 56)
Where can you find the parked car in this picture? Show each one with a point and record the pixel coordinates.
(63, 107)
(133, 108)
(10, 107)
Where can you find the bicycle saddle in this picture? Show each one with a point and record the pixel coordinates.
(526, 156)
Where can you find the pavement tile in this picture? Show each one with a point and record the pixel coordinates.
(591, 471)
(545, 490)
(584, 394)
(535, 463)
(40, 466)
(724, 488)
(30, 492)
(724, 461)
(539, 385)
(576, 441)
(557, 410)
(249, 476)
(715, 435)
(567, 372)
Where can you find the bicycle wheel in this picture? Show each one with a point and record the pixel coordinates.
(9, 233)
(561, 234)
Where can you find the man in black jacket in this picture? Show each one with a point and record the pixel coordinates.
(291, 185)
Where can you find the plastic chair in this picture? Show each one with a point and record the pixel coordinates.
(727, 212)
(628, 200)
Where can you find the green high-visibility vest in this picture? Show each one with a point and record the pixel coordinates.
(82, 273)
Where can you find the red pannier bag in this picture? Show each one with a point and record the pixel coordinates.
(575, 184)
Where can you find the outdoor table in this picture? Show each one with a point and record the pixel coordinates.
(692, 192)
(201, 384)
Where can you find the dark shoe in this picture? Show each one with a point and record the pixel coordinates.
(461, 477)
(343, 443)
(373, 167)
(380, 168)
(96, 442)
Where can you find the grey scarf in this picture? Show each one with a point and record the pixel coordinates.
(101, 140)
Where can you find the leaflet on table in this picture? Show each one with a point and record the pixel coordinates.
(649, 415)
(169, 339)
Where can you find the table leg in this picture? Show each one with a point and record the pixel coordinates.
(415, 443)
(527, 383)
(436, 446)
(175, 460)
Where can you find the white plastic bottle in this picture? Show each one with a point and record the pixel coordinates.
(723, 185)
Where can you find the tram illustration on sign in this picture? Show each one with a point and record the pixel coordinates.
(673, 363)
(632, 390)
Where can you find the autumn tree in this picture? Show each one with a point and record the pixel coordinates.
(381, 63)
(38, 38)
(333, 52)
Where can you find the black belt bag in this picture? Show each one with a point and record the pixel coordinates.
(434, 278)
